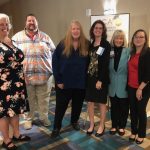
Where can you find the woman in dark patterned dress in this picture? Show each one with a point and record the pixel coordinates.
(13, 96)
(98, 75)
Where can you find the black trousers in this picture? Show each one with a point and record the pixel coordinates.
(119, 112)
(138, 113)
(62, 100)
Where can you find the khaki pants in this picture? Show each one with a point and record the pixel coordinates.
(39, 96)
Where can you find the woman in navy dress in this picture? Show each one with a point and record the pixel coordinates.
(70, 60)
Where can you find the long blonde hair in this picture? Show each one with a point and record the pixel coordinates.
(82, 41)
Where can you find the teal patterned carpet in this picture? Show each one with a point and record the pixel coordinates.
(78, 140)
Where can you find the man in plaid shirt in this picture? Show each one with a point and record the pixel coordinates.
(38, 48)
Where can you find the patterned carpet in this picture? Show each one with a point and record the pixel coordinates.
(78, 140)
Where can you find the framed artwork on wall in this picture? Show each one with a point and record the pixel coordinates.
(114, 22)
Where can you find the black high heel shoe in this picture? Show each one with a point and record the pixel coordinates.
(55, 133)
(139, 142)
(90, 132)
(132, 139)
(121, 133)
(113, 132)
(100, 134)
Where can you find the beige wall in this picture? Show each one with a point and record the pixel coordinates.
(55, 15)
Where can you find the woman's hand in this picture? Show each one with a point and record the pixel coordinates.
(61, 86)
(139, 94)
(98, 85)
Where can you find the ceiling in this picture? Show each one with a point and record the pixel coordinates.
(3, 2)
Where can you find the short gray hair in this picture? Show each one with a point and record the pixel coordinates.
(2, 15)
(116, 34)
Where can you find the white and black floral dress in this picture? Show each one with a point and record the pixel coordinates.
(13, 95)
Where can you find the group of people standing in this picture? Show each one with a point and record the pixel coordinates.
(82, 69)
(92, 71)
(103, 69)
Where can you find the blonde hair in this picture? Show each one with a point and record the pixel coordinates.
(116, 34)
(2, 15)
(68, 41)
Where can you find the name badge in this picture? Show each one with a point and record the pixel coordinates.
(112, 54)
(100, 51)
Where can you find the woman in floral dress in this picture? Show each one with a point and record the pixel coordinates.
(13, 95)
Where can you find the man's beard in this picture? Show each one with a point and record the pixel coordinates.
(32, 29)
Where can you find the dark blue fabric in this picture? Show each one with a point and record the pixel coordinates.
(72, 70)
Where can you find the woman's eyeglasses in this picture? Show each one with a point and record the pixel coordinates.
(139, 37)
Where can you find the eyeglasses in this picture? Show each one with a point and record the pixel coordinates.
(139, 37)
(100, 28)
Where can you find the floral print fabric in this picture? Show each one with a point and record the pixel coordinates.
(13, 95)
(93, 66)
